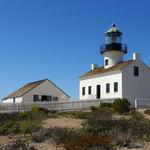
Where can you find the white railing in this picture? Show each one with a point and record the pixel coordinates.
(141, 102)
(59, 106)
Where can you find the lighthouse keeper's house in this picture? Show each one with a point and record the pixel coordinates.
(117, 78)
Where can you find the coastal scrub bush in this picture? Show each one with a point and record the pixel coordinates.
(93, 108)
(42, 135)
(28, 127)
(121, 105)
(106, 105)
(23, 115)
(75, 139)
(147, 111)
(37, 114)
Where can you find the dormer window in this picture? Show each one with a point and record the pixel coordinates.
(136, 71)
(106, 62)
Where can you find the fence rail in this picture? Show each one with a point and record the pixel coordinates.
(142, 102)
(59, 106)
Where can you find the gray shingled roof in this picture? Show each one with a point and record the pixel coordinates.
(101, 70)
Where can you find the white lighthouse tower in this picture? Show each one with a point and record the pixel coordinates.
(113, 50)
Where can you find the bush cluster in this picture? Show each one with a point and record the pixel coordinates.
(22, 122)
(102, 131)
(119, 105)
(147, 111)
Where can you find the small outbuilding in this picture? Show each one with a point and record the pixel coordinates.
(38, 91)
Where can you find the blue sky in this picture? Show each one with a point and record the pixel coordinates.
(59, 39)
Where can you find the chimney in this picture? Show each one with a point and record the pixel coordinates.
(136, 56)
(93, 66)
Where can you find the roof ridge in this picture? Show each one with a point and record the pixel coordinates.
(101, 70)
(27, 90)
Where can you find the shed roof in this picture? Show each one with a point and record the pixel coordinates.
(101, 70)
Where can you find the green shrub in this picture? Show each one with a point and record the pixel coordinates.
(9, 127)
(28, 127)
(93, 108)
(121, 105)
(23, 115)
(104, 105)
(37, 114)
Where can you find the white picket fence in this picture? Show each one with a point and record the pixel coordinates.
(59, 106)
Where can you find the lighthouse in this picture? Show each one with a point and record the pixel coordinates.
(116, 78)
(113, 50)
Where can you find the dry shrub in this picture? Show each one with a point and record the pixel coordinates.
(77, 139)
(147, 111)
(41, 135)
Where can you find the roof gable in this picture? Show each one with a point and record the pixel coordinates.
(28, 87)
(101, 70)
(25, 89)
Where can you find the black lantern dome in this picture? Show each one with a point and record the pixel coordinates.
(113, 41)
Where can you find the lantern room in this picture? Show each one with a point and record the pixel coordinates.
(113, 41)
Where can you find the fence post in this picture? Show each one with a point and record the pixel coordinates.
(136, 103)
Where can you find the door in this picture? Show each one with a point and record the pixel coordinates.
(98, 91)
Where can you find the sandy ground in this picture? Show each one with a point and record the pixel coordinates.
(63, 122)
(72, 123)
(47, 145)
(4, 140)
(145, 146)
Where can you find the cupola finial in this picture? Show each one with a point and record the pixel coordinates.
(113, 25)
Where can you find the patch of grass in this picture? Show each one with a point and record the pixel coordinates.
(106, 105)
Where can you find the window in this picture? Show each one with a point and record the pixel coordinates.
(55, 98)
(107, 88)
(83, 90)
(49, 98)
(89, 90)
(106, 62)
(44, 98)
(136, 71)
(115, 86)
(35, 98)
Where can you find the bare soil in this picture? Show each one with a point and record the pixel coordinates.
(4, 140)
(63, 122)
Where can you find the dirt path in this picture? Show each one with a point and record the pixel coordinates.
(4, 140)
(63, 122)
